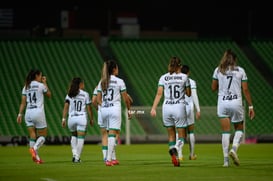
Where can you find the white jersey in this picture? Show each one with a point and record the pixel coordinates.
(77, 104)
(190, 99)
(230, 84)
(111, 97)
(111, 103)
(35, 95)
(174, 87)
(230, 93)
(35, 114)
(173, 109)
(191, 102)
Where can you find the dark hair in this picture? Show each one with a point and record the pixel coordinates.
(107, 71)
(74, 87)
(31, 76)
(185, 69)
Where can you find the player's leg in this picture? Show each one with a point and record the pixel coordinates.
(80, 143)
(42, 133)
(180, 141)
(73, 144)
(180, 151)
(104, 142)
(114, 157)
(111, 146)
(225, 124)
(32, 141)
(239, 127)
(191, 142)
(81, 124)
(173, 150)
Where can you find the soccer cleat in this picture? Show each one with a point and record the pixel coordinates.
(181, 158)
(115, 162)
(39, 161)
(234, 157)
(108, 163)
(77, 160)
(33, 154)
(226, 164)
(175, 160)
(193, 157)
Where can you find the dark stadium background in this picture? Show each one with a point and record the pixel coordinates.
(235, 19)
(27, 29)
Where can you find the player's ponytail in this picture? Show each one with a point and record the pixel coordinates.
(174, 65)
(31, 76)
(74, 87)
(228, 60)
(107, 71)
(104, 77)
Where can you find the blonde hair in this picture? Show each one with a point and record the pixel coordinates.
(107, 71)
(228, 61)
(174, 65)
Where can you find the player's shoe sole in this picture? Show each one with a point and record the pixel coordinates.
(175, 160)
(234, 157)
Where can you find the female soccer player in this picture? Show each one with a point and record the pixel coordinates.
(33, 99)
(103, 125)
(192, 103)
(110, 90)
(77, 105)
(230, 80)
(174, 85)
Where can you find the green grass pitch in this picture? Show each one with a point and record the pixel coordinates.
(138, 162)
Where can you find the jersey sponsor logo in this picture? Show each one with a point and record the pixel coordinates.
(167, 78)
(108, 105)
(34, 86)
(230, 97)
(113, 82)
(172, 102)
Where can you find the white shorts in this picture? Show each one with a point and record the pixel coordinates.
(231, 109)
(77, 123)
(101, 123)
(112, 117)
(36, 118)
(174, 115)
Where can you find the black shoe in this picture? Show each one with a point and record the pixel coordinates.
(77, 160)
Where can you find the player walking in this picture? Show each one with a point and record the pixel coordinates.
(230, 80)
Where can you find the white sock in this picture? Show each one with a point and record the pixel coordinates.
(104, 151)
(31, 143)
(40, 141)
(225, 143)
(114, 157)
(237, 140)
(73, 143)
(192, 143)
(179, 146)
(80, 142)
(111, 145)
